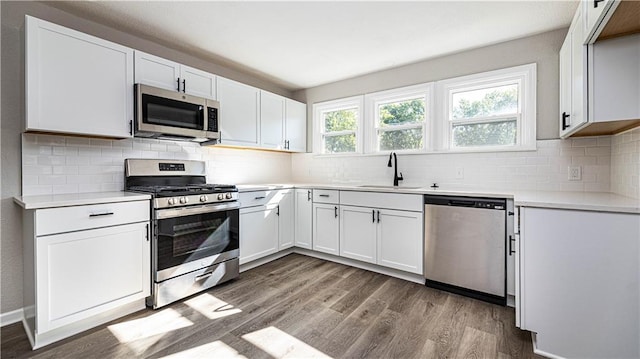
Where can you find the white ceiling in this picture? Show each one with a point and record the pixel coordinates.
(302, 44)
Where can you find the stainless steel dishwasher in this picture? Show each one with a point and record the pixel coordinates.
(465, 246)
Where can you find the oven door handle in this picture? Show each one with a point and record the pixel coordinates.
(188, 211)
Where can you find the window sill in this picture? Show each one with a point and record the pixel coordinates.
(458, 151)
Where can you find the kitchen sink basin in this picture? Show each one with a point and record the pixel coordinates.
(387, 187)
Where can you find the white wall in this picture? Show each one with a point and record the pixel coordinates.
(544, 169)
(625, 164)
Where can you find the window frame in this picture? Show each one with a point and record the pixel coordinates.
(374, 100)
(336, 105)
(524, 76)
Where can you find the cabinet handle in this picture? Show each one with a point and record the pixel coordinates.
(512, 239)
(595, 3)
(131, 128)
(101, 214)
(373, 216)
(378, 216)
(308, 195)
(178, 84)
(184, 85)
(260, 197)
(278, 210)
(565, 116)
(335, 211)
(323, 195)
(147, 234)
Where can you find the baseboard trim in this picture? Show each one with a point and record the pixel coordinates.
(265, 260)
(534, 341)
(11, 317)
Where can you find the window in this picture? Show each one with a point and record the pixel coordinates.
(398, 119)
(337, 126)
(491, 110)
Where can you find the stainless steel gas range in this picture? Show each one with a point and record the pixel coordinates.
(195, 227)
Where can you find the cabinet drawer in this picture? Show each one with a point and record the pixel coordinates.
(69, 219)
(255, 198)
(400, 201)
(326, 196)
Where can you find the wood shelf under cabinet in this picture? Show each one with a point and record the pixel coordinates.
(624, 21)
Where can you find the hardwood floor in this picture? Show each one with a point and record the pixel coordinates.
(300, 306)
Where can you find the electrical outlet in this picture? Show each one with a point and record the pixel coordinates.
(459, 173)
(575, 173)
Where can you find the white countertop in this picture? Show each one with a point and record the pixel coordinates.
(587, 201)
(77, 199)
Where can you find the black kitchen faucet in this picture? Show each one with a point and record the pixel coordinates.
(396, 178)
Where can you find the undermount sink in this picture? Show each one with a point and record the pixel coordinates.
(383, 186)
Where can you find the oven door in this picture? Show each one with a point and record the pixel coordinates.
(190, 238)
(164, 112)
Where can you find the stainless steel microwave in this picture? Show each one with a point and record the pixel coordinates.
(171, 115)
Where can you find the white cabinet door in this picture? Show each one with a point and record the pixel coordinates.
(271, 120)
(579, 282)
(286, 218)
(197, 82)
(76, 83)
(326, 228)
(358, 233)
(239, 113)
(573, 79)
(158, 72)
(303, 223)
(595, 13)
(400, 240)
(84, 273)
(258, 232)
(295, 126)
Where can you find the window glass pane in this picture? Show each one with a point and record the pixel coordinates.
(342, 143)
(401, 112)
(341, 120)
(408, 139)
(490, 101)
(500, 133)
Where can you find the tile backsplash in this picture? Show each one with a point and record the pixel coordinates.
(543, 169)
(54, 164)
(61, 164)
(625, 164)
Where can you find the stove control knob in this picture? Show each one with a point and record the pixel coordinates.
(204, 198)
(221, 196)
(171, 201)
(184, 200)
(228, 195)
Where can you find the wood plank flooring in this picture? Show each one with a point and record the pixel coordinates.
(295, 307)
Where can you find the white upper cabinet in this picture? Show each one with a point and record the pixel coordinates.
(573, 81)
(271, 120)
(239, 114)
(596, 13)
(158, 72)
(76, 83)
(295, 127)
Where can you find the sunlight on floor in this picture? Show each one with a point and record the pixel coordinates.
(140, 334)
(215, 349)
(211, 307)
(282, 345)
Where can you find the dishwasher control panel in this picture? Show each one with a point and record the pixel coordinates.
(473, 202)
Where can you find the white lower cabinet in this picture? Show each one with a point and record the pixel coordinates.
(578, 281)
(95, 270)
(303, 223)
(258, 232)
(326, 228)
(266, 223)
(358, 233)
(400, 240)
(82, 273)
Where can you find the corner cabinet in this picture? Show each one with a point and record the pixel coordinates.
(295, 126)
(577, 282)
(158, 72)
(76, 83)
(271, 120)
(84, 265)
(303, 218)
(599, 80)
